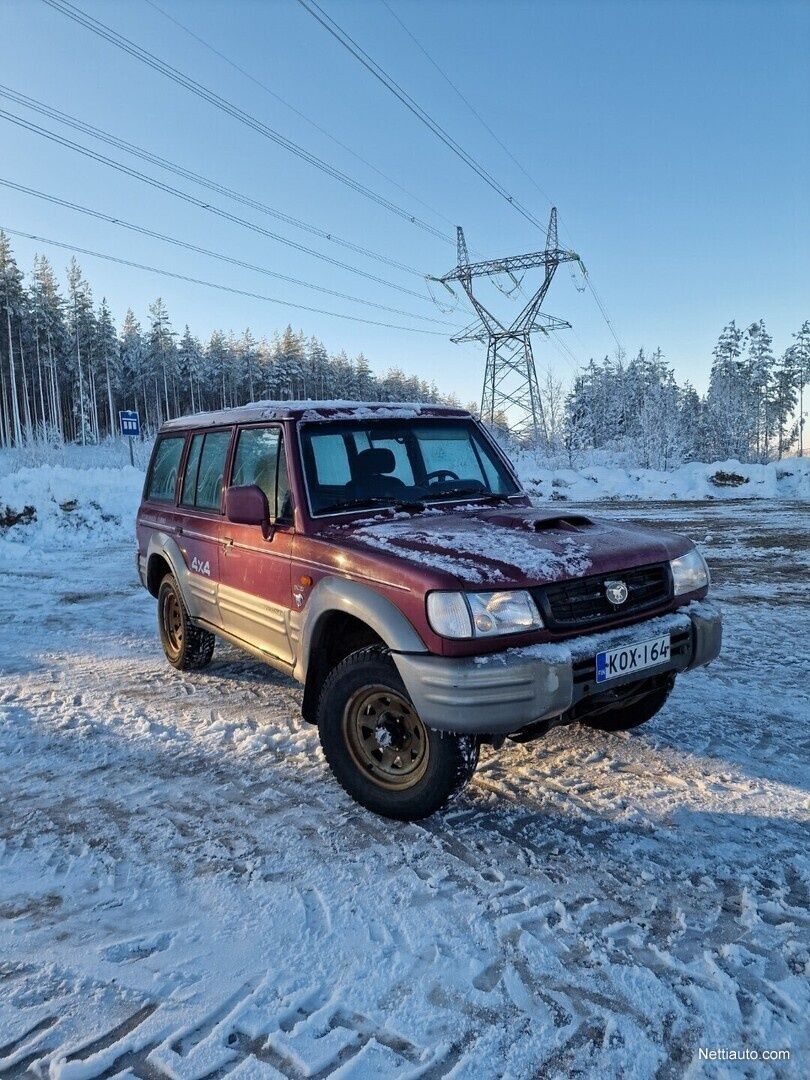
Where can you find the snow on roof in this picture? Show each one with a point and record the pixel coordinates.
(314, 410)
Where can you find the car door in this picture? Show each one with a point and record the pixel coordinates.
(201, 508)
(255, 594)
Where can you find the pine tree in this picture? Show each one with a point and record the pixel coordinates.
(81, 327)
(216, 363)
(759, 368)
(108, 351)
(11, 301)
(160, 356)
(51, 344)
(189, 368)
(800, 363)
(727, 401)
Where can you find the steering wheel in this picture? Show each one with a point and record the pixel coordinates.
(439, 475)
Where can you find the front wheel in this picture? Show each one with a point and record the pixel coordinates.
(378, 748)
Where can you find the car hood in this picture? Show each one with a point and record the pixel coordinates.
(521, 546)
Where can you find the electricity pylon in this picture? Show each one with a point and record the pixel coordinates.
(510, 381)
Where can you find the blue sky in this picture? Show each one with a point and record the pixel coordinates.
(673, 137)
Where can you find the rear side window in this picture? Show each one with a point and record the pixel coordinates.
(260, 460)
(165, 464)
(205, 470)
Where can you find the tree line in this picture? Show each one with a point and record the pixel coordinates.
(636, 413)
(65, 370)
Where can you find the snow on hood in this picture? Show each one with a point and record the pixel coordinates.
(520, 546)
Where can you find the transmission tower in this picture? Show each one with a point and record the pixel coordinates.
(510, 381)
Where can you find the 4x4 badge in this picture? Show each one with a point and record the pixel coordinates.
(616, 592)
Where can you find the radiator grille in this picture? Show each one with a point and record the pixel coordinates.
(574, 604)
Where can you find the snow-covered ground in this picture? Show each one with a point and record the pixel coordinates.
(185, 892)
(785, 479)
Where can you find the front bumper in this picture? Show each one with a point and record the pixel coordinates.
(500, 693)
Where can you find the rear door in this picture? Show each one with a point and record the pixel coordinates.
(158, 512)
(255, 589)
(201, 502)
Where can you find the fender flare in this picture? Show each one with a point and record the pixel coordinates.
(160, 543)
(364, 603)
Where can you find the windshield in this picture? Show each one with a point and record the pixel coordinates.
(351, 464)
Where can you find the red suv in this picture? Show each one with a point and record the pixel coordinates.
(386, 557)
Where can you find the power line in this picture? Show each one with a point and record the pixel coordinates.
(466, 101)
(507, 151)
(162, 67)
(143, 231)
(215, 285)
(186, 197)
(603, 309)
(565, 351)
(187, 174)
(405, 98)
(287, 105)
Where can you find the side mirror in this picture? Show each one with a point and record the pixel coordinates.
(248, 506)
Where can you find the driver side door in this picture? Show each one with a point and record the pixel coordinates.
(255, 591)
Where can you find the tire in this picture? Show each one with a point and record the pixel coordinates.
(186, 646)
(398, 767)
(625, 717)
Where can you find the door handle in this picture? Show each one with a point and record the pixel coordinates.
(227, 541)
(178, 530)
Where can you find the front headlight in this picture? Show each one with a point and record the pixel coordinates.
(465, 615)
(689, 573)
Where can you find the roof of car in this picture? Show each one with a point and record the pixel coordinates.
(313, 410)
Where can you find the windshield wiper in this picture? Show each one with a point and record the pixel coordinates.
(368, 503)
(462, 492)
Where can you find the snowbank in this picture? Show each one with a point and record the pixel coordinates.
(786, 479)
(52, 505)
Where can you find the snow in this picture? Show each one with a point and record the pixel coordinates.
(589, 644)
(62, 506)
(462, 546)
(786, 479)
(311, 410)
(185, 892)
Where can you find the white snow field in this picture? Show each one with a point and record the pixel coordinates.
(185, 892)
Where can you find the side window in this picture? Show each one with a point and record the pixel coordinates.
(202, 486)
(497, 483)
(192, 467)
(260, 460)
(212, 470)
(165, 463)
(256, 460)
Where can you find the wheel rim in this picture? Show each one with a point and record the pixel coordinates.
(173, 622)
(386, 739)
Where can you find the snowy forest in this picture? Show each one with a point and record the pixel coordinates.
(66, 370)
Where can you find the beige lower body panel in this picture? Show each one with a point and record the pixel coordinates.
(256, 621)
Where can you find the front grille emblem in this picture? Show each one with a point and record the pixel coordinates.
(616, 592)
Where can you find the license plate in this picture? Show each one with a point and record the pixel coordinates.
(631, 658)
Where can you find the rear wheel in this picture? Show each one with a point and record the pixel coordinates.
(625, 717)
(378, 748)
(186, 646)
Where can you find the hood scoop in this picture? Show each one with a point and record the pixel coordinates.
(536, 521)
(561, 523)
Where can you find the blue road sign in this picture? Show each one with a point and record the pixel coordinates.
(130, 423)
